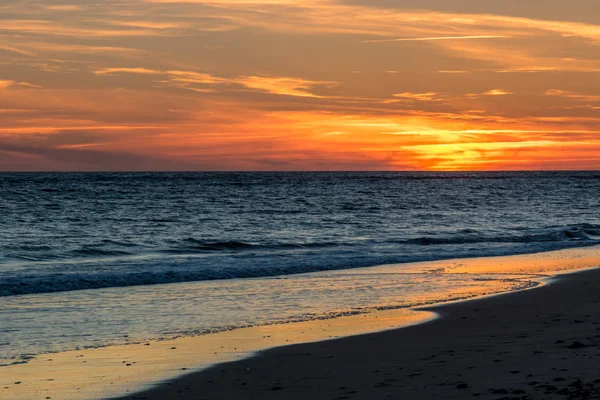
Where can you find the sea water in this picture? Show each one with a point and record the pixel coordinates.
(94, 259)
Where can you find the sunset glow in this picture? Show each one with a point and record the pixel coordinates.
(299, 85)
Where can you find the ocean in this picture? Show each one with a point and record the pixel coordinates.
(94, 259)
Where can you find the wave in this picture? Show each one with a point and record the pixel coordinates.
(465, 236)
(91, 252)
(203, 260)
(217, 246)
(234, 245)
(570, 234)
(118, 243)
(64, 283)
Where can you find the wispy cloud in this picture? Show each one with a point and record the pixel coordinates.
(435, 38)
(573, 95)
(492, 92)
(136, 70)
(429, 96)
(53, 28)
(453, 72)
(4, 84)
(63, 7)
(77, 128)
(497, 92)
(283, 86)
(17, 50)
(286, 86)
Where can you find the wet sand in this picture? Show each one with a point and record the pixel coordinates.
(434, 359)
(111, 371)
(535, 344)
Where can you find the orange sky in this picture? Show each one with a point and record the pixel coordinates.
(299, 85)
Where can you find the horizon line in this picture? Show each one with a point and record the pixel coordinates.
(283, 171)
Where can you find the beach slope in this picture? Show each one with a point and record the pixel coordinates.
(534, 344)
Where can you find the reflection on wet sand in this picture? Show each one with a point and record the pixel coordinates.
(111, 371)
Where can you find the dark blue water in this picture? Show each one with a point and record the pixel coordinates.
(62, 232)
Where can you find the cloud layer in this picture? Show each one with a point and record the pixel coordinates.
(298, 85)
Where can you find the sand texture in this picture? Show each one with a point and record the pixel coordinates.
(536, 344)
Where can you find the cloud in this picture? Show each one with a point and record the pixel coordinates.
(432, 149)
(453, 72)
(437, 97)
(457, 34)
(246, 2)
(423, 39)
(429, 96)
(497, 92)
(15, 110)
(528, 55)
(148, 24)
(492, 92)
(17, 157)
(532, 154)
(188, 77)
(17, 50)
(283, 86)
(273, 84)
(331, 17)
(54, 28)
(5, 84)
(63, 7)
(572, 95)
(286, 86)
(59, 129)
(143, 71)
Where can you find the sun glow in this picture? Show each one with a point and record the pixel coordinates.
(288, 85)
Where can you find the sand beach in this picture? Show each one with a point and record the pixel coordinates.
(535, 344)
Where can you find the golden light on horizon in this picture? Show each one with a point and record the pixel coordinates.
(298, 85)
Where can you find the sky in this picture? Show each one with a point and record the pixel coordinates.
(280, 85)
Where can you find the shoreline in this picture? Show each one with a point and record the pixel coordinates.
(163, 365)
(559, 247)
(523, 345)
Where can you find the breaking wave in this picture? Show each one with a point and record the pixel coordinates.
(116, 264)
